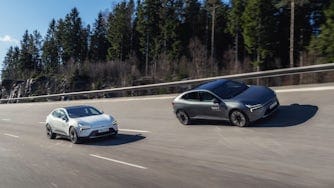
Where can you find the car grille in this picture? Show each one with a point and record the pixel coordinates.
(268, 110)
(96, 133)
(270, 101)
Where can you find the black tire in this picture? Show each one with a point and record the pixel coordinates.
(238, 118)
(74, 136)
(183, 117)
(49, 132)
(113, 135)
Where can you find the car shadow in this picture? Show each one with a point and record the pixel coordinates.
(285, 116)
(120, 139)
(288, 115)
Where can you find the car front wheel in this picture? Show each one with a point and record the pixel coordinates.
(49, 132)
(238, 118)
(74, 136)
(183, 117)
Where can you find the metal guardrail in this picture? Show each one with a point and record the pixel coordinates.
(244, 76)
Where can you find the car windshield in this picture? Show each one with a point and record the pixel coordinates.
(229, 89)
(82, 111)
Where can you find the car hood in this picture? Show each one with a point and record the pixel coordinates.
(255, 95)
(96, 121)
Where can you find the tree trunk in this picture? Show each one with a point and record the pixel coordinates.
(301, 55)
(258, 58)
(146, 61)
(236, 51)
(292, 27)
(213, 37)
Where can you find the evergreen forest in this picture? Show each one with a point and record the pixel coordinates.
(153, 41)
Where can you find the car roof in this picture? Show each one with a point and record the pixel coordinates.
(78, 106)
(211, 85)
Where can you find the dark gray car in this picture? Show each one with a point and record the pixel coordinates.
(230, 100)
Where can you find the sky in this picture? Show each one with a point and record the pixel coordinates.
(16, 16)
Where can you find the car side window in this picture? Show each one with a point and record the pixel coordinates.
(93, 111)
(206, 97)
(192, 96)
(62, 114)
(55, 114)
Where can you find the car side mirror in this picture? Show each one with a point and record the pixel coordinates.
(65, 118)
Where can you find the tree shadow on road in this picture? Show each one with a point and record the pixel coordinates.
(120, 139)
(288, 115)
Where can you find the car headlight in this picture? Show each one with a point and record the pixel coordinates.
(83, 127)
(254, 107)
(114, 123)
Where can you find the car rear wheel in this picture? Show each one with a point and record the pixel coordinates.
(49, 132)
(74, 136)
(238, 118)
(183, 117)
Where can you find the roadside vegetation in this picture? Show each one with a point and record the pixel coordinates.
(151, 41)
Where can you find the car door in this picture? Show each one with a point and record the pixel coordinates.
(210, 106)
(53, 120)
(63, 121)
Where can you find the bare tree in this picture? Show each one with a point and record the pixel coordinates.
(198, 67)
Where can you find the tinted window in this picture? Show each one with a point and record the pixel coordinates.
(55, 114)
(229, 89)
(62, 114)
(82, 111)
(206, 97)
(193, 96)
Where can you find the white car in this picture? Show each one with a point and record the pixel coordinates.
(79, 122)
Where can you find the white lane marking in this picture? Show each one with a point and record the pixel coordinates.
(117, 161)
(11, 135)
(41, 122)
(133, 130)
(323, 88)
(5, 119)
(54, 185)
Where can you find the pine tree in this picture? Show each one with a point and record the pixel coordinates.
(192, 25)
(148, 30)
(323, 44)
(36, 38)
(120, 31)
(73, 38)
(11, 65)
(235, 25)
(50, 55)
(259, 29)
(30, 53)
(99, 43)
(170, 28)
(26, 60)
(293, 4)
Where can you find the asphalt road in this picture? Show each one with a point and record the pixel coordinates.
(294, 148)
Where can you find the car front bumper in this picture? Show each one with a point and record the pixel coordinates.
(97, 132)
(263, 112)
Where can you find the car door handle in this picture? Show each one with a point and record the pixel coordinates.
(215, 107)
